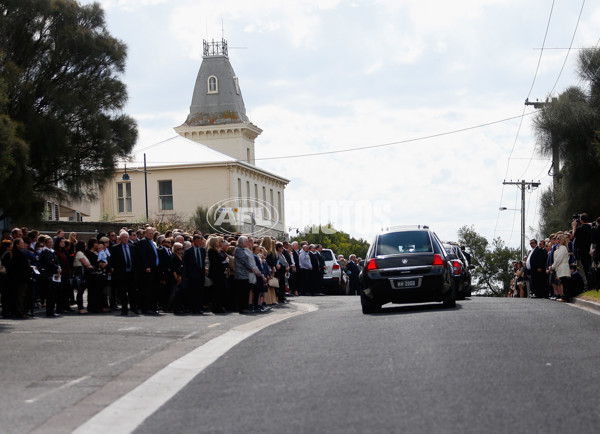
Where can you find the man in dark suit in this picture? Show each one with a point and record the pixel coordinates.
(50, 273)
(582, 233)
(315, 271)
(194, 259)
(352, 271)
(132, 236)
(322, 268)
(304, 270)
(149, 263)
(536, 266)
(296, 268)
(288, 252)
(123, 258)
(165, 272)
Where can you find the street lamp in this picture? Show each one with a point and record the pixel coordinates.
(503, 208)
(126, 177)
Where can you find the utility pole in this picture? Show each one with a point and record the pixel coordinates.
(523, 185)
(554, 140)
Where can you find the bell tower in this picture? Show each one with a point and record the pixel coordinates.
(217, 115)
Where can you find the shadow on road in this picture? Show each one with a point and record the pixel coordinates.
(395, 309)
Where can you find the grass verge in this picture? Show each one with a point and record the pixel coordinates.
(592, 295)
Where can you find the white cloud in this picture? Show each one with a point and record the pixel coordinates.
(328, 75)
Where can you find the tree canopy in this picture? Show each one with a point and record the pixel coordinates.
(62, 119)
(493, 263)
(340, 242)
(572, 122)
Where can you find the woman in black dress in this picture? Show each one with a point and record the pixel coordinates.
(93, 277)
(217, 265)
(175, 298)
(19, 273)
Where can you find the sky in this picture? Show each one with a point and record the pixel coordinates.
(433, 91)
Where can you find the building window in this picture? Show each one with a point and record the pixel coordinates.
(124, 197)
(165, 195)
(213, 84)
(52, 211)
(264, 207)
(237, 85)
(280, 217)
(248, 195)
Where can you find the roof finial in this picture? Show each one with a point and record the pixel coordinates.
(215, 48)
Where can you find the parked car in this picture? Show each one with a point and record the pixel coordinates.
(406, 265)
(461, 270)
(333, 281)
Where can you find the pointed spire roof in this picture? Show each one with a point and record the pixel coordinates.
(217, 98)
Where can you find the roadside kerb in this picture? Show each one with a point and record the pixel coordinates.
(591, 305)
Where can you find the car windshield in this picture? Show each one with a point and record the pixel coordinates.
(404, 242)
(326, 255)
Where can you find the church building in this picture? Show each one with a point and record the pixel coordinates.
(210, 163)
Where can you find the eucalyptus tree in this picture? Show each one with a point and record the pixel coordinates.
(572, 122)
(61, 69)
(493, 262)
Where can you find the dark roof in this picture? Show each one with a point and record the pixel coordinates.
(226, 106)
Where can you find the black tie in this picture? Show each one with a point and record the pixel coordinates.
(127, 261)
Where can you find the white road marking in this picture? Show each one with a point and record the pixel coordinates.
(214, 325)
(64, 386)
(128, 412)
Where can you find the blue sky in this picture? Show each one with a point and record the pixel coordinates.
(331, 75)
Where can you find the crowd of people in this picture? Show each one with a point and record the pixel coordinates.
(561, 266)
(144, 272)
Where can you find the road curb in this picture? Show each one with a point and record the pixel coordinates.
(587, 304)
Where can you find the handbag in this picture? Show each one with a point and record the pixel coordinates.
(2, 266)
(273, 282)
(77, 282)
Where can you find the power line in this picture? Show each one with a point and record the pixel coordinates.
(542, 50)
(524, 108)
(360, 148)
(570, 45)
(538, 105)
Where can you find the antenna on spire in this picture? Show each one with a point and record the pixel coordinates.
(214, 48)
(222, 30)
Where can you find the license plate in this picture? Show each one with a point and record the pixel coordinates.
(408, 283)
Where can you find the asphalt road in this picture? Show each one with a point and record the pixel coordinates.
(490, 365)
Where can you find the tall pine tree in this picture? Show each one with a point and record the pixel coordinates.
(61, 69)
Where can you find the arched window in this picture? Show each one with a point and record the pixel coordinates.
(213, 84)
